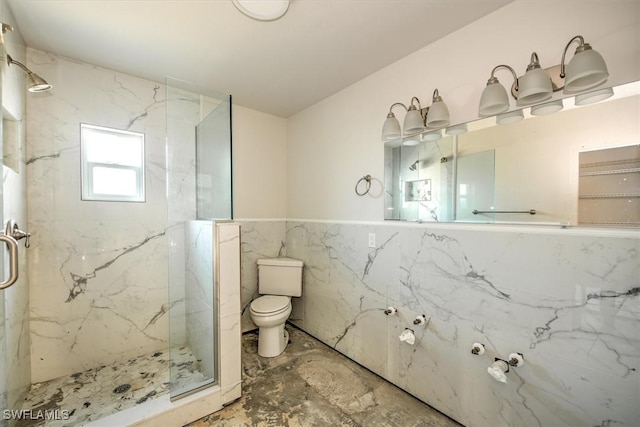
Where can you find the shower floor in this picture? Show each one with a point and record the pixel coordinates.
(93, 394)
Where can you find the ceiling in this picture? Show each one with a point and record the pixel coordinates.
(280, 67)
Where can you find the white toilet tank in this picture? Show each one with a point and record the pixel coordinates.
(280, 276)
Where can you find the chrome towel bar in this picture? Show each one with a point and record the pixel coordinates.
(530, 212)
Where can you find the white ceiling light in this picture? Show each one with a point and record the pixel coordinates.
(262, 10)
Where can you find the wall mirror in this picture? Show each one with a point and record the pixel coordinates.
(579, 166)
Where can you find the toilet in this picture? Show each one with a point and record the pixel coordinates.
(279, 279)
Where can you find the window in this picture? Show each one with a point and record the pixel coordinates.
(112, 164)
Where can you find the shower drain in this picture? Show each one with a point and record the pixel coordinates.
(122, 388)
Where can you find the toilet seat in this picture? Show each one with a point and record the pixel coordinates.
(269, 305)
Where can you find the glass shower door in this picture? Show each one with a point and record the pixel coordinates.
(199, 191)
(3, 335)
(213, 165)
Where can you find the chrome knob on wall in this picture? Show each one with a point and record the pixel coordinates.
(14, 231)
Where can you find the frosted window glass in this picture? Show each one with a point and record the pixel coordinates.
(114, 181)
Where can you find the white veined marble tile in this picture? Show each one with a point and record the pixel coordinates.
(569, 303)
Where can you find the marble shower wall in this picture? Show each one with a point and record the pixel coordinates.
(14, 313)
(567, 299)
(97, 293)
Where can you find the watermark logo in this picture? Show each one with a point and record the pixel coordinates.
(36, 414)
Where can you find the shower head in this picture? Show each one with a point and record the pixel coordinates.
(414, 166)
(35, 83)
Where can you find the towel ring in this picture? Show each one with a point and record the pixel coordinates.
(367, 179)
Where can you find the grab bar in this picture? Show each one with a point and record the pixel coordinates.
(12, 244)
(530, 212)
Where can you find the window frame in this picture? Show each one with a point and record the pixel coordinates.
(87, 167)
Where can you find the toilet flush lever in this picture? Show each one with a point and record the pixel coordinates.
(14, 231)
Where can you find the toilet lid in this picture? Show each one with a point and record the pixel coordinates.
(270, 303)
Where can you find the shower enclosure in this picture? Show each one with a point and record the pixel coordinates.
(197, 199)
(123, 311)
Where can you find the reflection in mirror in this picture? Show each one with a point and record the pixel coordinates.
(419, 179)
(609, 187)
(527, 171)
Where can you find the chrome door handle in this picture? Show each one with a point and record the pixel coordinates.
(12, 245)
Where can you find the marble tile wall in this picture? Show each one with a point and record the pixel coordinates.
(229, 260)
(15, 373)
(15, 314)
(566, 299)
(93, 266)
(260, 239)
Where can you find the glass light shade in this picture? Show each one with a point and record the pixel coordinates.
(432, 136)
(593, 97)
(411, 141)
(535, 86)
(586, 70)
(391, 128)
(413, 122)
(548, 108)
(494, 100)
(438, 115)
(457, 129)
(510, 117)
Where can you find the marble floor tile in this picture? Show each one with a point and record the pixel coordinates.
(311, 384)
(90, 395)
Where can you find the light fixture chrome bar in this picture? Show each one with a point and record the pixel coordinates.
(530, 212)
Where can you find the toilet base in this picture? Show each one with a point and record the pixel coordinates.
(272, 341)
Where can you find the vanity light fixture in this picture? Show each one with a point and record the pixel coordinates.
(595, 96)
(535, 85)
(35, 83)
(437, 115)
(432, 136)
(547, 108)
(494, 99)
(511, 117)
(417, 119)
(391, 128)
(586, 70)
(413, 121)
(456, 129)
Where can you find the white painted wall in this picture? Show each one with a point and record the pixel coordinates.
(259, 164)
(335, 142)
